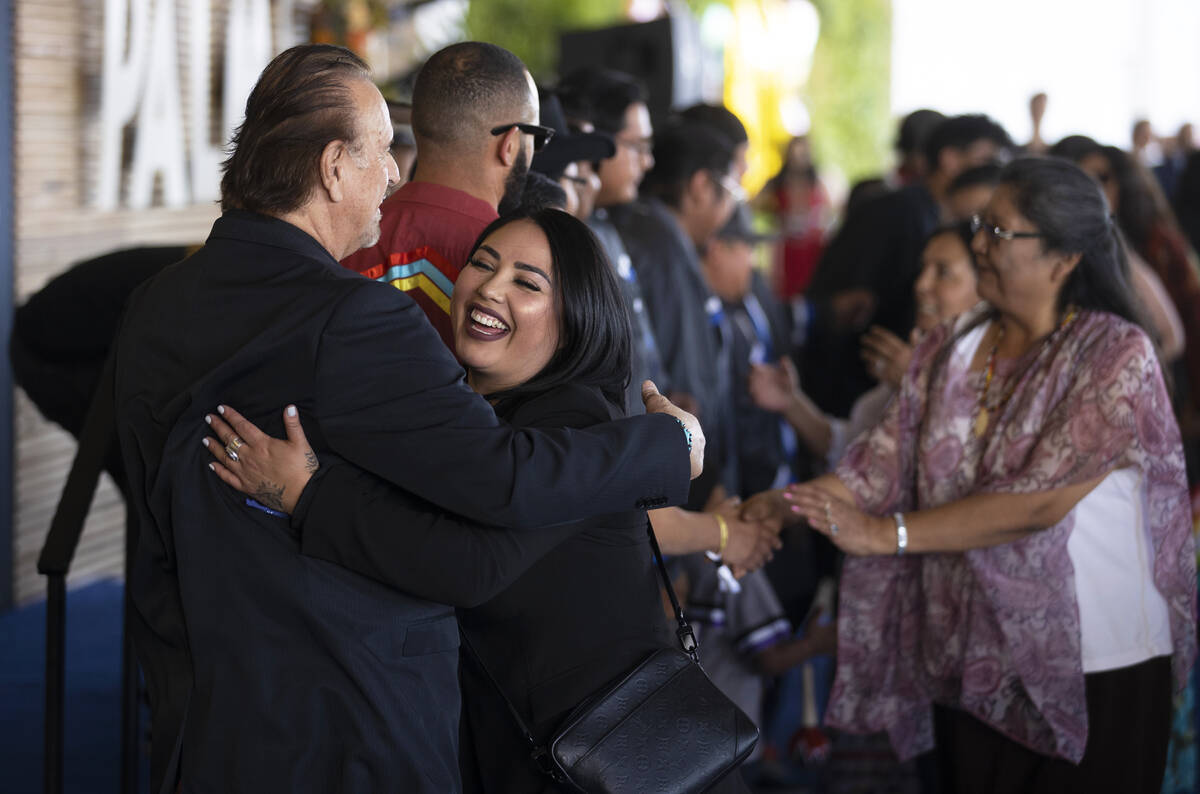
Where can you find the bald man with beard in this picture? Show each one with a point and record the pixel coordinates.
(475, 122)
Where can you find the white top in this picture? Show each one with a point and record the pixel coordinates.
(1123, 619)
(1122, 616)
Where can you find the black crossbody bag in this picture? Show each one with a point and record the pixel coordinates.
(663, 727)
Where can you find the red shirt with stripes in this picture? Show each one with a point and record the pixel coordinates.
(425, 238)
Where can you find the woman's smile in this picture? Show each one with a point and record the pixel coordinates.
(485, 325)
(504, 310)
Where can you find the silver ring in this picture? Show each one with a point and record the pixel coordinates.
(833, 529)
(231, 449)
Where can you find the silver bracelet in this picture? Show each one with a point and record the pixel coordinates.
(901, 534)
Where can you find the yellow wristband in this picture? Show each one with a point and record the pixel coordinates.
(723, 526)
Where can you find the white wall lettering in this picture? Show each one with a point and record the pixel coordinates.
(158, 144)
(140, 84)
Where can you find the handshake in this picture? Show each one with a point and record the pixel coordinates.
(754, 527)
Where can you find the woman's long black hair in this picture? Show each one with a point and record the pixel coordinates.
(593, 323)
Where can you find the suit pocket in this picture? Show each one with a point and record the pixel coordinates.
(419, 638)
(433, 637)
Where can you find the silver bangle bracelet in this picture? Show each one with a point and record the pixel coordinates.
(901, 534)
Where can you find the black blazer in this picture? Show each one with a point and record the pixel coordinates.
(581, 616)
(269, 670)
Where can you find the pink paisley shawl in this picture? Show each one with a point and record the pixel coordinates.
(995, 631)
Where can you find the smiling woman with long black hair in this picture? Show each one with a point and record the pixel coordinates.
(541, 329)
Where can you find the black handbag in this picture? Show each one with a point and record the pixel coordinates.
(663, 727)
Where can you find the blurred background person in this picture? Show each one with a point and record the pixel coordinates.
(867, 271)
(1037, 112)
(686, 197)
(1161, 263)
(944, 290)
(800, 206)
(970, 191)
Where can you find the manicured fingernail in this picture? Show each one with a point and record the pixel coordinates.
(212, 467)
(291, 410)
(204, 441)
(221, 410)
(208, 418)
(795, 508)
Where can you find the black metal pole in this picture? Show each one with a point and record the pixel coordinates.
(56, 621)
(130, 685)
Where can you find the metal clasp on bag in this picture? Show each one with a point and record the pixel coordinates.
(545, 764)
(687, 640)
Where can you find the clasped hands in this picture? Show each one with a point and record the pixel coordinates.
(826, 508)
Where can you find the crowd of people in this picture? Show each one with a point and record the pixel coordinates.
(383, 406)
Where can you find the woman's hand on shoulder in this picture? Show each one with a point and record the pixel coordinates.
(270, 470)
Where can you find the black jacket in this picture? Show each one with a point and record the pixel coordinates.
(582, 616)
(692, 332)
(878, 249)
(272, 670)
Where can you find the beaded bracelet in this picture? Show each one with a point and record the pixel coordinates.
(687, 434)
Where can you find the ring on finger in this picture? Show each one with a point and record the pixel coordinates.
(232, 447)
(833, 529)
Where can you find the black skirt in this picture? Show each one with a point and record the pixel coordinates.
(1129, 724)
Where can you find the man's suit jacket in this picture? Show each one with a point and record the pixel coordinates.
(269, 670)
(758, 434)
(692, 334)
(580, 616)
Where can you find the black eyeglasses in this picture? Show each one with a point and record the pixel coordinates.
(541, 135)
(996, 233)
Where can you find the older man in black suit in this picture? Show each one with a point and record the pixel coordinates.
(270, 670)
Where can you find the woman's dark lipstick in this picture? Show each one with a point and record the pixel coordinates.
(478, 327)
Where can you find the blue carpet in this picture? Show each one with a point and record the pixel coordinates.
(92, 713)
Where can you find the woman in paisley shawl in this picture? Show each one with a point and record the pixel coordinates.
(1020, 583)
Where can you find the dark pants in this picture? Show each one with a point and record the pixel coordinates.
(1129, 723)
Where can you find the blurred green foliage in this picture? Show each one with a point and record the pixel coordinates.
(848, 93)
(530, 28)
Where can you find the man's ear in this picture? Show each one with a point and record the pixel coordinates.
(509, 147)
(698, 186)
(335, 157)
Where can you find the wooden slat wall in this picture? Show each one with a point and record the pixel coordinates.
(57, 52)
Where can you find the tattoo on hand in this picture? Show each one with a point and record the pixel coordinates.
(269, 494)
(310, 462)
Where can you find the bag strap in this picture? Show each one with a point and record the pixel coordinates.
(687, 637)
(687, 641)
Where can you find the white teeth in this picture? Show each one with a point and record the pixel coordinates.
(488, 320)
